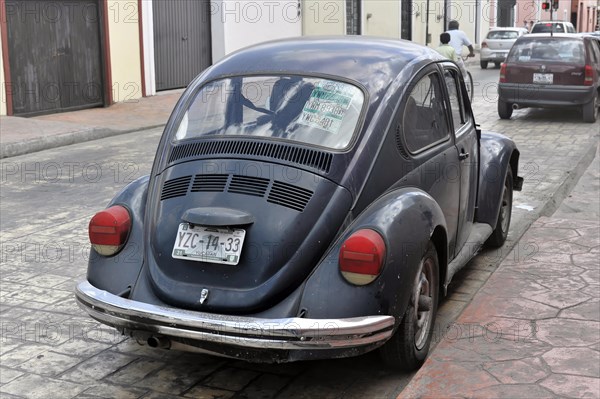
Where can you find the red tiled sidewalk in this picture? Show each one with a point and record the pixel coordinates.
(533, 331)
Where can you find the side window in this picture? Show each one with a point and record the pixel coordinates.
(595, 51)
(570, 29)
(456, 105)
(424, 119)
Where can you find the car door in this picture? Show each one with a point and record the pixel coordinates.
(428, 142)
(467, 147)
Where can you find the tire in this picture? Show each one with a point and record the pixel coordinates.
(504, 110)
(483, 64)
(500, 233)
(590, 110)
(497, 64)
(407, 349)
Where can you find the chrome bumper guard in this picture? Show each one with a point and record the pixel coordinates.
(251, 332)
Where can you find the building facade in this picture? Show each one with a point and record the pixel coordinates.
(582, 13)
(63, 55)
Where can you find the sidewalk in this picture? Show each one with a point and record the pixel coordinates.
(533, 329)
(20, 136)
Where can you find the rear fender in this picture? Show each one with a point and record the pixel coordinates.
(497, 154)
(406, 219)
(117, 274)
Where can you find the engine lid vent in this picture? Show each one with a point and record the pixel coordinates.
(205, 183)
(175, 187)
(315, 159)
(248, 185)
(290, 196)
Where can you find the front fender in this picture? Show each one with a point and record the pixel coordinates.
(406, 219)
(117, 274)
(497, 154)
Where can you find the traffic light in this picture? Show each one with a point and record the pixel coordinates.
(555, 4)
(545, 6)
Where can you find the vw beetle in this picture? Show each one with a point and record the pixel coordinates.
(310, 198)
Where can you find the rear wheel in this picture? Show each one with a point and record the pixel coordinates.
(497, 64)
(483, 64)
(504, 110)
(500, 233)
(590, 110)
(408, 347)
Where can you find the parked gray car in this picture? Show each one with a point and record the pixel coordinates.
(497, 44)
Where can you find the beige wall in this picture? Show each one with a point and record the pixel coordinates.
(2, 87)
(436, 21)
(323, 17)
(384, 18)
(124, 49)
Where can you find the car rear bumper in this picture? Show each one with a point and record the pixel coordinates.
(224, 333)
(530, 95)
(493, 55)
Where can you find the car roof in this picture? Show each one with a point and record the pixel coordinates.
(372, 62)
(553, 22)
(548, 35)
(505, 28)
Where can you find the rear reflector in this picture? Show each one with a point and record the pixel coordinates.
(503, 73)
(109, 229)
(361, 257)
(589, 76)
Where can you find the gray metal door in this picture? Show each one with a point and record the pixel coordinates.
(406, 20)
(353, 17)
(181, 41)
(54, 56)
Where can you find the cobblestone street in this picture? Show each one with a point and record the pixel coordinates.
(50, 348)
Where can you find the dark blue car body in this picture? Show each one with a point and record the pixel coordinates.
(415, 169)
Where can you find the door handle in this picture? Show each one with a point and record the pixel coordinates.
(463, 155)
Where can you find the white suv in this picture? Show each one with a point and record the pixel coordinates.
(553, 26)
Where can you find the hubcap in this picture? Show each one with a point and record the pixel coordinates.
(423, 299)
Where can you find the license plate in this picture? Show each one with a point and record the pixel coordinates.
(209, 244)
(543, 78)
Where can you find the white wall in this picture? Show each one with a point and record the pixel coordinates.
(381, 18)
(323, 17)
(237, 23)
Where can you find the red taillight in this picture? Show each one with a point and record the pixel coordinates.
(361, 257)
(484, 44)
(503, 73)
(109, 230)
(589, 76)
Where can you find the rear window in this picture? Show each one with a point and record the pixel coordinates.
(547, 27)
(503, 35)
(310, 110)
(548, 49)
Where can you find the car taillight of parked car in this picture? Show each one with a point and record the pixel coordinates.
(109, 230)
(589, 76)
(361, 257)
(484, 44)
(503, 73)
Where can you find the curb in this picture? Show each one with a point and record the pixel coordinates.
(568, 184)
(9, 150)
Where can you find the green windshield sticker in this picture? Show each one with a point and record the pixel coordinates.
(327, 106)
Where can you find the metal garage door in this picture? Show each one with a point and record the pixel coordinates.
(54, 55)
(181, 41)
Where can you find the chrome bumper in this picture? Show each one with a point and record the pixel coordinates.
(238, 331)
